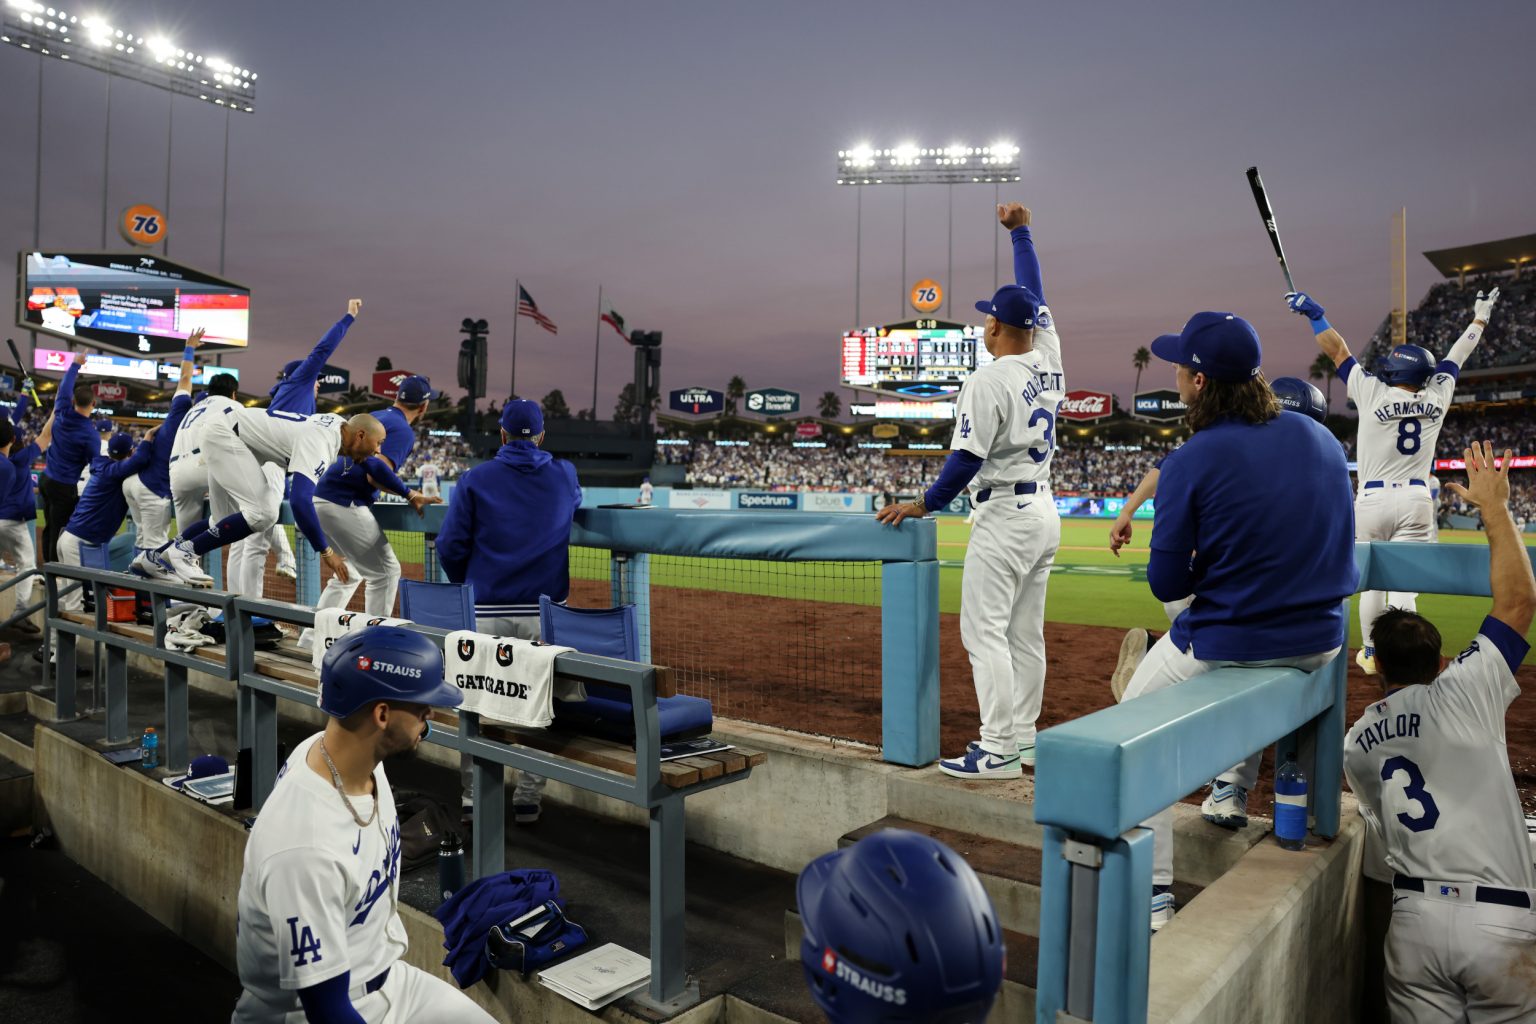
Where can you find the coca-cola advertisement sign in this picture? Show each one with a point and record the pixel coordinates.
(807, 429)
(1084, 406)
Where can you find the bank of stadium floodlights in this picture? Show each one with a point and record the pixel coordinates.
(912, 164)
(88, 39)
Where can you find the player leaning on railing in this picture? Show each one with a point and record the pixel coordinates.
(1004, 438)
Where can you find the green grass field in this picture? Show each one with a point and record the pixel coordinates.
(1089, 586)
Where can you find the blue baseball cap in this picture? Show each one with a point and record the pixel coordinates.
(1223, 346)
(521, 417)
(289, 367)
(120, 445)
(1014, 305)
(415, 390)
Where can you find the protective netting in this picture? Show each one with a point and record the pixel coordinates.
(789, 644)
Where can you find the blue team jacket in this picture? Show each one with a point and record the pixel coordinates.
(297, 393)
(102, 507)
(508, 530)
(75, 439)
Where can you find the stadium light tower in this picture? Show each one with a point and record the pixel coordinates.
(87, 39)
(910, 163)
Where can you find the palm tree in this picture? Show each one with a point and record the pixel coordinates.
(830, 405)
(1141, 360)
(1322, 369)
(733, 391)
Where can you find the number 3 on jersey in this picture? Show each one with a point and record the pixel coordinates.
(1408, 436)
(1414, 791)
(1050, 434)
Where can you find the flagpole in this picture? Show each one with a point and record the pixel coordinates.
(597, 338)
(517, 297)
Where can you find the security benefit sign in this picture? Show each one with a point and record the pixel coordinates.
(1159, 405)
(696, 401)
(1084, 406)
(334, 380)
(773, 402)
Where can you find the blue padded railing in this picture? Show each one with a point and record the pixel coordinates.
(1097, 777)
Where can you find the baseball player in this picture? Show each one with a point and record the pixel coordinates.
(236, 442)
(18, 499)
(879, 901)
(1005, 437)
(1430, 768)
(75, 444)
(319, 936)
(429, 478)
(346, 493)
(1402, 409)
(1294, 395)
(148, 492)
(647, 492)
(1253, 521)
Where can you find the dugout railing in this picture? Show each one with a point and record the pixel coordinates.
(258, 691)
(1099, 776)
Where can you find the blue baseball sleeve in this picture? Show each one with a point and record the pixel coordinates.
(958, 470)
(385, 477)
(328, 1002)
(1026, 264)
(66, 396)
(309, 369)
(1170, 571)
(22, 404)
(301, 499)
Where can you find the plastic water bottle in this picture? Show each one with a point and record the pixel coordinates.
(149, 749)
(450, 864)
(1291, 805)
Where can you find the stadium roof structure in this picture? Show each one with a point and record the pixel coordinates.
(1484, 256)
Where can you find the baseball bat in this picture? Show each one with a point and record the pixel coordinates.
(22, 368)
(1268, 214)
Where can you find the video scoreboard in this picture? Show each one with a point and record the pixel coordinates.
(921, 360)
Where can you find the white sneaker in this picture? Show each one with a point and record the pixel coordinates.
(154, 566)
(1367, 662)
(1162, 906)
(188, 565)
(978, 763)
(1026, 752)
(288, 570)
(1226, 805)
(1132, 650)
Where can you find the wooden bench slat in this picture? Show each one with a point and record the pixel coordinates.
(707, 767)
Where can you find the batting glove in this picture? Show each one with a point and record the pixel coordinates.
(1301, 302)
(1482, 307)
(26, 383)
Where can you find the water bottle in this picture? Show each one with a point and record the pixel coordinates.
(1291, 805)
(149, 750)
(450, 864)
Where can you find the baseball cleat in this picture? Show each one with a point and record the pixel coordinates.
(1367, 662)
(525, 814)
(980, 763)
(288, 570)
(186, 563)
(1162, 906)
(1226, 805)
(1132, 650)
(153, 565)
(1026, 751)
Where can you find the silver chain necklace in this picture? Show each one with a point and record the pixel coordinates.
(336, 778)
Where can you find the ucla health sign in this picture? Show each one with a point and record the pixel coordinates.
(1160, 405)
(696, 401)
(750, 499)
(773, 402)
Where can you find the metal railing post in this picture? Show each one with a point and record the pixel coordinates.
(489, 779)
(177, 713)
(114, 667)
(668, 917)
(65, 685)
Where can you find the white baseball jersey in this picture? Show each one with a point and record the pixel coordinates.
(1431, 771)
(647, 493)
(429, 479)
(1006, 413)
(318, 894)
(190, 434)
(1398, 429)
(300, 444)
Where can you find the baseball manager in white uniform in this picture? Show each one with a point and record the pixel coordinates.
(319, 934)
(1429, 765)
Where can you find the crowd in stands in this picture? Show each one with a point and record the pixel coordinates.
(1510, 339)
(450, 454)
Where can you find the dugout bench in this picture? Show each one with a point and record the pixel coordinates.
(633, 775)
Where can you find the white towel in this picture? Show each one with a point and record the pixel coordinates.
(331, 624)
(503, 678)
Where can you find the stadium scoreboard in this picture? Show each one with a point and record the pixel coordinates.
(920, 360)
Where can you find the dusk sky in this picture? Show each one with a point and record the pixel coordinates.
(423, 155)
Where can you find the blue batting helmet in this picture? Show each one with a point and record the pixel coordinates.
(1407, 364)
(898, 928)
(383, 663)
(1301, 396)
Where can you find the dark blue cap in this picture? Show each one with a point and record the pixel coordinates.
(415, 390)
(1014, 305)
(522, 418)
(120, 445)
(288, 368)
(1223, 346)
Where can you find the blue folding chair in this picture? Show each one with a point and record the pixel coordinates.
(95, 556)
(444, 605)
(614, 633)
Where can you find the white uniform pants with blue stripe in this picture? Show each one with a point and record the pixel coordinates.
(1452, 959)
(1405, 513)
(17, 545)
(354, 533)
(1165, 665)
(151, 514)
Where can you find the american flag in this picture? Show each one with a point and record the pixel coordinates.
(526, 307)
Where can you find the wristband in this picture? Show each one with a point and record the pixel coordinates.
(186, 354)
(1320, 325)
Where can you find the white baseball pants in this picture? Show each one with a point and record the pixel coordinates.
(151, 514)
(1451, 959)
(1002, 613)
(17, 544)
(248, 557)
(409, 996)
(69, 554)
(1165, 665)
(528, 788)
(354, 533)
(1394, 512)
(189, 489)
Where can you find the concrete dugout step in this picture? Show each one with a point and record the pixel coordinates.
(15, 798)
(16, 739)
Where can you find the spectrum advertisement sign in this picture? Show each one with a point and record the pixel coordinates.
(752, 499)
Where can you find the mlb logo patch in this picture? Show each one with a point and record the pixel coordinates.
(1450, 890)
(364, 663)
(1381, 708)
(829, 961)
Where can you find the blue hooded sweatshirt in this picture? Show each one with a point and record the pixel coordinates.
(18, 493)
(508, 530)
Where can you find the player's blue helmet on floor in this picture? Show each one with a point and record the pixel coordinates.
(898, 928)
(384, 663)
(1407, 364)
(1300, 396)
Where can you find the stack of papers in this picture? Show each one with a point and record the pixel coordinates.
(595, 979)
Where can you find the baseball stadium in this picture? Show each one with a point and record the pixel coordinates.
(332, 691)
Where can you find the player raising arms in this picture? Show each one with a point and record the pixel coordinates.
(1430, 768)
(1402, 409)
(1004, 438)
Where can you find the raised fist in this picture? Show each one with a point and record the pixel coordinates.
(1301, 302)
(1012, 215)
(1482, 307)
(354, 307)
